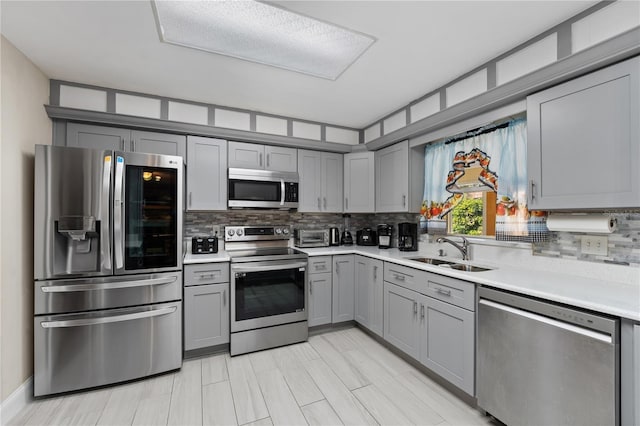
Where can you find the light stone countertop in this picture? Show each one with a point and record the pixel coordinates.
(609, 297)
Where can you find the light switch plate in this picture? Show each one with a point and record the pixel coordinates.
(215, 230)
(595, 245)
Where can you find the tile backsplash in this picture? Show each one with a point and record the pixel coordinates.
(624, 244)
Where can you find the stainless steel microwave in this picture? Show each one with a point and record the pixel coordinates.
(249, 188)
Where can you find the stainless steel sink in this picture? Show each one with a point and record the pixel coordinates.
(432, 261)
(468, 268)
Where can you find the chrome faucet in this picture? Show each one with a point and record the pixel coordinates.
(464, 248)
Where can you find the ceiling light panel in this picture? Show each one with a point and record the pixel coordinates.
(262, 33)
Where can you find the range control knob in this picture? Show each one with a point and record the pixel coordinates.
(240, 232)
(278, 231)
(285, 231)
(230, 232)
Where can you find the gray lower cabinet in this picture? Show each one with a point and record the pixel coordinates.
(369, 293)
(82, 135)
(319, 299)
(630, 373)
(439, 329)
(582, 139)
(343, 303)
(206, 174)
(206, 305)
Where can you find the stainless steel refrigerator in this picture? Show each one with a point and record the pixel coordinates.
(107, 267)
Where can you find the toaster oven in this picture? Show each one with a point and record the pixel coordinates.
(311, 237)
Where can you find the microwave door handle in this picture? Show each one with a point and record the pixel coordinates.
(117, 213)
(105, 238)
(282, 192)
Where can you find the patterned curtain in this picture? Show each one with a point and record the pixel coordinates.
(502, 156)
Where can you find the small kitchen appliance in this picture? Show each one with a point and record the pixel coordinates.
(408, 236)
(204, 245)
(311, 237)
(366, 237)
(346, 239)
(334, 237)
(384, 235)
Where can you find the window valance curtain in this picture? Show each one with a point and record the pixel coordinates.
(502, 156)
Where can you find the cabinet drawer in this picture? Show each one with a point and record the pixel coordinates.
(410, 278)
(451, 290)
(208, 273)
(319, 264)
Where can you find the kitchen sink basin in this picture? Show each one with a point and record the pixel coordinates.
(432, 261)
(468, 268)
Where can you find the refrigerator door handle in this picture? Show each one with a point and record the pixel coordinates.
(105, 238)
(118, 205)
(105, 320)
(107, 286)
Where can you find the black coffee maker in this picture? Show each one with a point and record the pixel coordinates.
(408, 236)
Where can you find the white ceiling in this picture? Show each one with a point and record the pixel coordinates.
(420, 46)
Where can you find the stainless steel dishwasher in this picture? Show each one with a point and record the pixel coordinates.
(540, 363)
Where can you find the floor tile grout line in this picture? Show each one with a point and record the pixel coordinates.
(361, 403)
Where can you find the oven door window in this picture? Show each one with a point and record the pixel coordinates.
(252, 190)
(266, 293)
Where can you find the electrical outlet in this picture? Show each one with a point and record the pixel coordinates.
(595, 245)
(215, 230)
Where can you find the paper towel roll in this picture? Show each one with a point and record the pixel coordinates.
(591, 223)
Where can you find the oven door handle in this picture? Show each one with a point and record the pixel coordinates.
(278, 267)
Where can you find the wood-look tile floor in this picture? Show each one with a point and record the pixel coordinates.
(340, 377)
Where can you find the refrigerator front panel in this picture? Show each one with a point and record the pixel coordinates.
(89, 294)
(147, 213)
(97, 348)
(72, 221)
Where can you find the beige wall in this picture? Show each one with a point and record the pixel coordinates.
(24, 89)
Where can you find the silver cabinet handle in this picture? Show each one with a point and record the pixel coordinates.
(346, 204)
(422, 311)
(443, 291)
(224, 297)
(533, 189)
(203, 276)
(324, 202)
(106, 320)
(107, 285)
(268, 160)
(190, 197)
(375, 273)
(118, 206)
(319, 203)
(415, 308)
(105, 238)
(321, 267)
(337, 268)
(310, 287)
(260, 160)
(404, 200)
(399, 277)
(133, 145)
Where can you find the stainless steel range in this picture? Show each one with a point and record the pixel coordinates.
(268, 288)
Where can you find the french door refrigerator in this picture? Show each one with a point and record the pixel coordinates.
(107, 267)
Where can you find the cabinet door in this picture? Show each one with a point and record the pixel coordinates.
(206, 173)
(332, 182)
(158, 143)
(636, 381)
(359, 195)
(246, 155)
(401, 319)
(343, 288)
(319, 299)
(310, 174)
(206, 316)
(392, 178)
(377, 297)
(97, 137)
(447, 342)
(583, 149)
(281, 159)
(363, 291)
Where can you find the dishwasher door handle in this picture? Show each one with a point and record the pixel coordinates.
(550, 321)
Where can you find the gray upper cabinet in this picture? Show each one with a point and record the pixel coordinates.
(359, 182)
(583, 150)
(369, 293)
(255, 156)
(392, 178)
(321, 182)
(158, 143)
(96, 137)
(206, 173)
(343, 294)
(103, 137)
